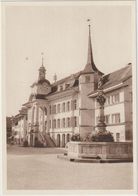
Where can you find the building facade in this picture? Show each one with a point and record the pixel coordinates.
(54, 112)
(117, 88)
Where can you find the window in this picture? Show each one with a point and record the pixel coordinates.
(75, 104)
(66, 86)
(115, 98)
(68, 122)
(50, 124)
(63, 107)
(68, 137)
(75, 121)
(54, 123)
(64, 123)
(68, 106)
(107, 119)
(54, 109)
(116, 118)
(87, 79)
(58, 108)
(117, 137)
(108, 100)
(50, 109)
(61, 88)
(58, 123)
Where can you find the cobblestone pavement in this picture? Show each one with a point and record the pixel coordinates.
(40, 169)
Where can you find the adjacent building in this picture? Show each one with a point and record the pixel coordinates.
(54, 112)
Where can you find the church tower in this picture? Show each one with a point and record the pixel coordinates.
(88, 82)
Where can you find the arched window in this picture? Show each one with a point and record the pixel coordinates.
(63, 107)
(68, 106)
(68, 138)
(68, 122)
(58, 123)
(54, 123)
(64, 124)
(58, 108)
(75, 104)
(63, 140)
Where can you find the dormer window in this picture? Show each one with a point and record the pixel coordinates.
(66, 86)
(61, 88)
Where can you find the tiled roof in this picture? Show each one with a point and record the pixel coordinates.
(73, 81)
(116, 77)
(76, 76)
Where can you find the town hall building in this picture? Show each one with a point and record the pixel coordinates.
(56, 111)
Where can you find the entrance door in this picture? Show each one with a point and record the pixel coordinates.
(63, 140)
(58, 140)
(31, 139)
(68, 138)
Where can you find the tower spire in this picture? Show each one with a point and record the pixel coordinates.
(42, 70)
(90, 54)
(42, 59)
(90, 66)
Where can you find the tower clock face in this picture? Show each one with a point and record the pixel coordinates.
(44, 88)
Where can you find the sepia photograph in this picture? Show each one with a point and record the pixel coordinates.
(69, 95)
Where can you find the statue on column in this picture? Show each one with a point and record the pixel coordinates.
(102, 135)
(101, 100)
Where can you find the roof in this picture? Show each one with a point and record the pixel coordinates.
(116, 77)
(40, 82)
(72, 76)
(71, 81)
(90, 67)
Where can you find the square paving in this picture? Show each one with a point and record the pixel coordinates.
(40, 169)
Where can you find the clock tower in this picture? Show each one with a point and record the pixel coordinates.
(42, 86)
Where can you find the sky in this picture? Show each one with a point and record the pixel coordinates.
(61, 33)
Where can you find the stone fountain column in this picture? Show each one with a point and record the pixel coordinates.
(101, 100)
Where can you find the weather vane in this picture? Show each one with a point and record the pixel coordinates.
(89, 20)
(42, 58)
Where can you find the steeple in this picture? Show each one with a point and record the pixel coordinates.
(42, 70)
(90, 54)
(90, 66)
